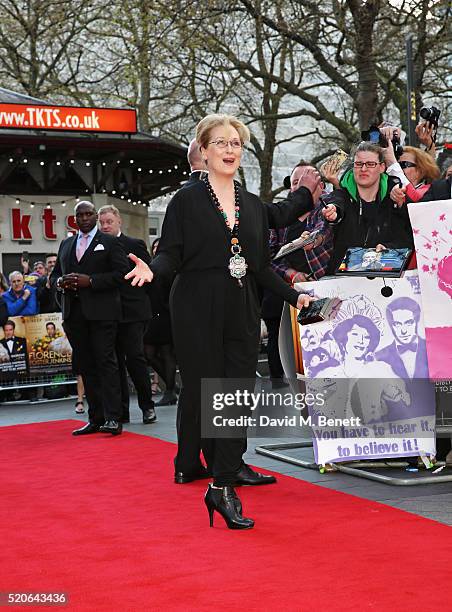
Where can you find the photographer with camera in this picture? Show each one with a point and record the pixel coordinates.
(414, 169)
(361, 211)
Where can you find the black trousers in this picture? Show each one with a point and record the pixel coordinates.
(130, 352)
(216, 327)
(94, 343)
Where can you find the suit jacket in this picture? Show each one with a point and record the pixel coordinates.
(439, 190)
(46, 297)
(194, 177)
(18, 354)
(280, 214)
(136, 304)
(105, 262)
(19, 346)
(391, 356)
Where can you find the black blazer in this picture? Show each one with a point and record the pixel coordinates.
(136, 305)
(19, 346)
(439, 190)
(279, 214)
(106, 264)
(194, 177)
(46, 297)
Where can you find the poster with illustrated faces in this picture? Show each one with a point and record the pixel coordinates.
(369, 363)
(432, 231)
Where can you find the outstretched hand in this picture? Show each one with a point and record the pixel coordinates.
(424, 132)
(309, 178)
(398, 195)
(304, 300)
(330, 170)
(330, 213)
(141, 273)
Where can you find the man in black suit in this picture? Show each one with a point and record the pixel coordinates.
(407, 355)
(89, 270)
(46, 293)
(136, 312)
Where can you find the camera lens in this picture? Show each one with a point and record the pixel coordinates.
(425, 112)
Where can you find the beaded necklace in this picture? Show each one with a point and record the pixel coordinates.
(237, 264)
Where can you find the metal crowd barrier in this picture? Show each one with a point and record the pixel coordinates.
(38, 381)
(289, 351)
(362, 469)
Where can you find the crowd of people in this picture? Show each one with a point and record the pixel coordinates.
(28, 292)
(197, 299)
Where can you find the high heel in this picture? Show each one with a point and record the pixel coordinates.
(225, 501)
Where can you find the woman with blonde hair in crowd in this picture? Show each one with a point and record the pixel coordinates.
(416, 171)
(215, 239)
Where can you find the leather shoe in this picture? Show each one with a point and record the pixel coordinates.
(112, 427)
(89, 428)
(149, 416)
(247, 476)
(184, 477)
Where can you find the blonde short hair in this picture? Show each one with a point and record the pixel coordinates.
(206, 125)
(109, 208)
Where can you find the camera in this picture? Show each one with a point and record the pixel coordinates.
(431, 115)
(374, 135)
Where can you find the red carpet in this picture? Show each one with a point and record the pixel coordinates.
(99, 518)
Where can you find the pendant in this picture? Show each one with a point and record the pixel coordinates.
(237, 266)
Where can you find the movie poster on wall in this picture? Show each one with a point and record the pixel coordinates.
(34, 345)
(370, 363)
(13, 349)
(432, 230)
(49, 350)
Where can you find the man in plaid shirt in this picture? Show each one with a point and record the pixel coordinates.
(310, 262)
(302, 265)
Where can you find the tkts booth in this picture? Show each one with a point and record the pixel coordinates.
(50, 158)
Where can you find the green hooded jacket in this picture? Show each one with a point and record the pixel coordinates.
(348, 183)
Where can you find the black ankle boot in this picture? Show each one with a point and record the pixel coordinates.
(225, 501)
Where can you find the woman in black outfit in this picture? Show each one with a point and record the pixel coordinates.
(215, 240)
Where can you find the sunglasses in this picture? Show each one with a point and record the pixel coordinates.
(407, 164)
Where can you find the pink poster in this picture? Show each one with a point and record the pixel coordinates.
(432, 229)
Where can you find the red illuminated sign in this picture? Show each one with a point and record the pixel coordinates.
(67, 118)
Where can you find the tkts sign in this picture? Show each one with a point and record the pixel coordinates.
(21, 224)
(67, 118)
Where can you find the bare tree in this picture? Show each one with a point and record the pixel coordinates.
(42, 45)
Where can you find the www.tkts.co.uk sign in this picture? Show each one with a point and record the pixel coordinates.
(21, 224)
(36, 117)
